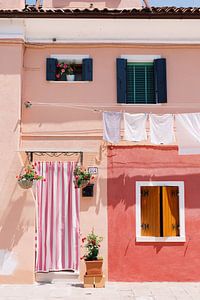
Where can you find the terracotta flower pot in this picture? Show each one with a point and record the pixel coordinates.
(94, 267)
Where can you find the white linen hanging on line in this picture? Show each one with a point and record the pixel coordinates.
(161, 129)
(188, 133)
(111, 126)
(135, 127)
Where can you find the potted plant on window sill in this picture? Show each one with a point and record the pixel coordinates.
(65, 72)
(92, 261)
(27, 177)
(70, 73)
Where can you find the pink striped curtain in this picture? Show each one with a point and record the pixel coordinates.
(57, 218)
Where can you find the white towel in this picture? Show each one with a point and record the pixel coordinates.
(161, 129)
(135, 127)
(111, 126)
(188, 133)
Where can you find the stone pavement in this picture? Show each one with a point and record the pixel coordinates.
(112, 291)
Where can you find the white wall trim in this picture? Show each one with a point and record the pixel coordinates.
(130, 31)
(70, 57)
(140, 58)
(180, 238)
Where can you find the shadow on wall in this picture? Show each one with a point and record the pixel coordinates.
(12, 225)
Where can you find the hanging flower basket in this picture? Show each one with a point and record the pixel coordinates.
(27, 176)
(25, 183)
(82, 177)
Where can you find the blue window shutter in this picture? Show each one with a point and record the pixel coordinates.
(51, 64)
(87, 65)
(121, 80)
(160, 80)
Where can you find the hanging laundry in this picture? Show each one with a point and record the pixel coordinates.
(188, 133)
(135, 127)
(161, 129)
(111, 126)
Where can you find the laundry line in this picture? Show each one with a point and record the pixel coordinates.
(99, 108)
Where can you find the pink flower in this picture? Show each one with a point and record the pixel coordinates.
(57, 75)
(62, 70)
(65, 66)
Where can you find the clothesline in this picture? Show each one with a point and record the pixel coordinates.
(99, 108)
(161, 129)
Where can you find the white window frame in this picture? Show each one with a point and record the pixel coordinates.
(70, 58)
(140, 58)
(180, 185)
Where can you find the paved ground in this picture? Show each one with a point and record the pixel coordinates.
(112, 291)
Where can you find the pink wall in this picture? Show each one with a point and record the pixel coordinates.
(129, 260)
(96, 3)
(16, 205)
(12, 4)
(183, 65)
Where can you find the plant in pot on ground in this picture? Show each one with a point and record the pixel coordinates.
(92, 260)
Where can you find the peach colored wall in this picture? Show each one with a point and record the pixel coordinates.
(183, 65)
(16, 205)
(86, 3)
(93, 211)
(12, 4)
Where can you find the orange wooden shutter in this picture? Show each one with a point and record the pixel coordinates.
(170, 211)
(150, 211)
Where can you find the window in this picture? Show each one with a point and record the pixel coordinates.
(80, 66)
(160, 211)
(141, 82)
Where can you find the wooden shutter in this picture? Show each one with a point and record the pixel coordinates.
(160, 80)
(140, 83)
(51, 64)
(150, 211)
(87, 69)
(170, 211)
(121, 80)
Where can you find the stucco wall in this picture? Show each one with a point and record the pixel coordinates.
(129, 260)
(16, 205)
(183, 65)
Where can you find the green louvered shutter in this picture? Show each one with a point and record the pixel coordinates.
(140, 83)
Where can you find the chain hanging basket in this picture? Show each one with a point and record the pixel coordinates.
(25, 183)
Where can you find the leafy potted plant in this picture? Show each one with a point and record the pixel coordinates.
(64, 71)
(70, 72)
(27, 176)
(82, 177)
(92, 261)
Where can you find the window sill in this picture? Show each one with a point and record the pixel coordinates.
(175, 239)
(66, 82)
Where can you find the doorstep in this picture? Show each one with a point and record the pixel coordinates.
(61, 276)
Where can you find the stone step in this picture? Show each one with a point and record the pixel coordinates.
(54, 277)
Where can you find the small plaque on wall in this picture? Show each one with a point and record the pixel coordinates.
(93, 170)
